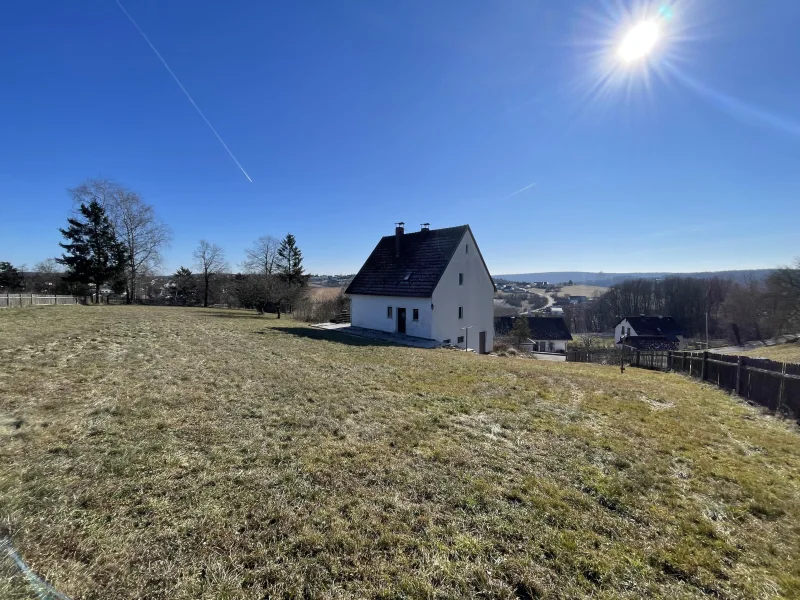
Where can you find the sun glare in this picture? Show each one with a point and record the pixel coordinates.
(639, 41)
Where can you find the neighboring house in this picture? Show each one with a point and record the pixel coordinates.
(578, 299)
(649, 342)
(548, 334)
(431, 284)
(665, 329)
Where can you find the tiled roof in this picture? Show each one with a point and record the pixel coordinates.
(424, 256)
(652, 325)
(542, 328)
(651, 342)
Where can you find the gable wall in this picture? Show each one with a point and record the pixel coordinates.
(476, 295)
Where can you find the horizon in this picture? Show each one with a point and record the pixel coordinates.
(334, 122)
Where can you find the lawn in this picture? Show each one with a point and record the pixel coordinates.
(189, 453)
(781, 352)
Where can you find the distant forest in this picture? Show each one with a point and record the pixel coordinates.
(608, 279)
(752, 309)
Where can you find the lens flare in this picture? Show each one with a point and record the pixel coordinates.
(639, 41)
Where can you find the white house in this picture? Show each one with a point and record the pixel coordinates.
(432, 284)
(653, 331)
(548, 334)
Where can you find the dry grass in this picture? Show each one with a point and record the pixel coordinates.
(590, 291)
(189, 453)
(781, 352)
(325, 293)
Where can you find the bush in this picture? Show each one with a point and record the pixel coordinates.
(320, 311)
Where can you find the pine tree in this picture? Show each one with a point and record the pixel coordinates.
(521, 330)
(10, 277)
(185, 284)
(290, 261)
(93, 254)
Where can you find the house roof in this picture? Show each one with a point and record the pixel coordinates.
(651, 342)
(424, 256)
(652, 325)
(542, 328)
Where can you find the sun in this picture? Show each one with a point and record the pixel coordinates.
(639, 41)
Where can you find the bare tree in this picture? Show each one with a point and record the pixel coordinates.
(135, 224)
(48, 266)
(262, 257)
(783, 287)
(210, 260)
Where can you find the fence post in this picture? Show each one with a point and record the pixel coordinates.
(739, 374)
(705, 366)
(638, 357)
(783, 388)
(669, 360)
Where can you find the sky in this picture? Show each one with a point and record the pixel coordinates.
(517, 118)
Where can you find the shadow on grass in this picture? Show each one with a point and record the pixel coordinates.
(329, 336)
(227, 313)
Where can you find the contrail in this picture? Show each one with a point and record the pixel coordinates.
(527, 187)
(180, 85)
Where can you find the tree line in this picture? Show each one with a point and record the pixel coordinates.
(739, 311)
(115, 239)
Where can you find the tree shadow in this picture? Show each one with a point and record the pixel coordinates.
(329, 335)
(227, 313)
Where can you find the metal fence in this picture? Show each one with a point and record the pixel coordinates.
(20, 300)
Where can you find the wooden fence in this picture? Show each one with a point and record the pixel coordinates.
(766, 382)
(19, 300)
(600, 356)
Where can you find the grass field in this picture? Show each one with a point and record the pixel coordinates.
(781, 352)
(325, 293)
(188, 453)
(590, 291)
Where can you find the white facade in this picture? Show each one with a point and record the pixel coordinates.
(464, 297)
(625, 328)
(549, 345)
(371, 312)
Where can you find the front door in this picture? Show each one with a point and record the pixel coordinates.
(401, 320)
(482, 342)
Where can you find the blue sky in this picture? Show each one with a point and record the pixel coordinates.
(349, 116)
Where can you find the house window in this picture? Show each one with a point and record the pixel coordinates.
(447, 341)
(629, 332)
(460, 312)
(415, 314)
(461, 339)
(466, 248)
(460, 279)
(388, 312)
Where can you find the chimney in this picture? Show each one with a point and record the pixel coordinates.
(398, 233)
(425, 227)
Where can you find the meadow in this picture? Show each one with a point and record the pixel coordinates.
(195, 453)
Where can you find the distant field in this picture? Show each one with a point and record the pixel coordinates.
(590, 291)
(325, 293)
(182, 453)
(781, 353)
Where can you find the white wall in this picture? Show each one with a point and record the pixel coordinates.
(370, 312)
(476, 295)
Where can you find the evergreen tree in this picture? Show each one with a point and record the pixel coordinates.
(290, 261)
(185, 284)
(93, 255)
(521, 330)
(10, 277)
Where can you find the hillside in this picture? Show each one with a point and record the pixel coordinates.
(187, 453)
(780, 352)
(609, 279)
